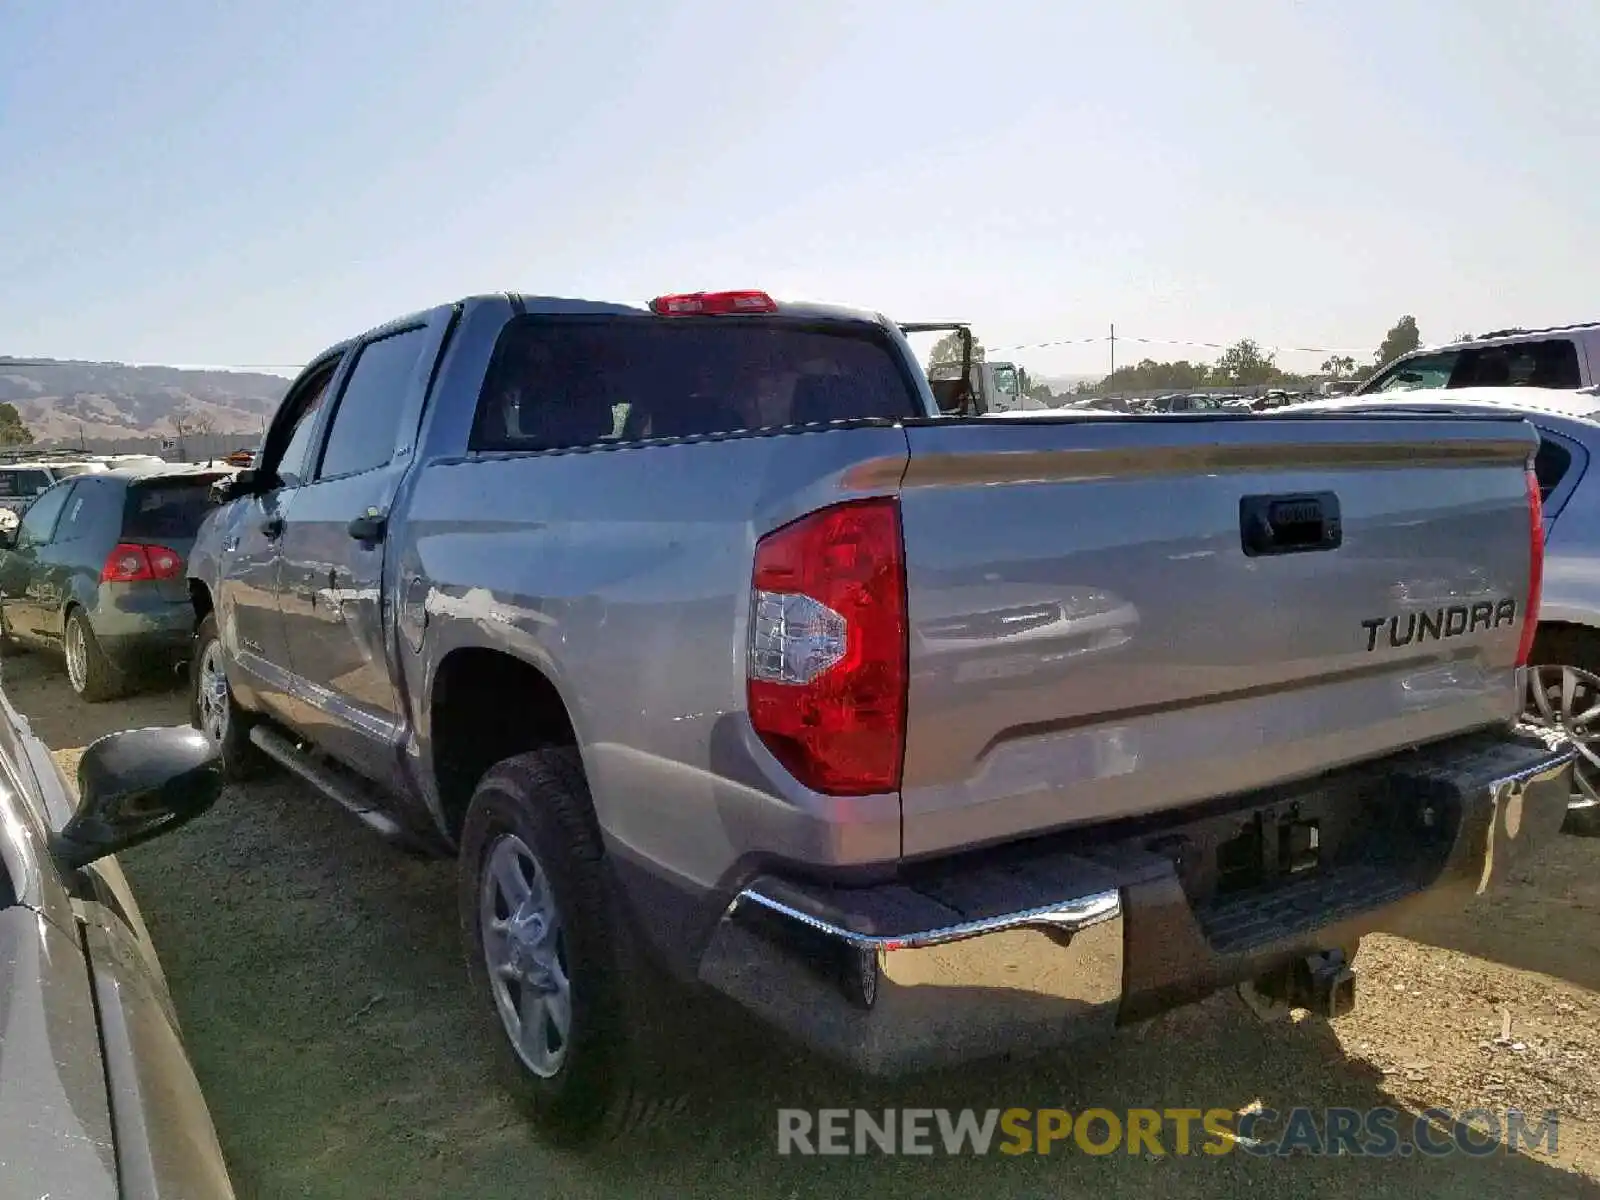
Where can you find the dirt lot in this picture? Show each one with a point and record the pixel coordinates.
(320, 984)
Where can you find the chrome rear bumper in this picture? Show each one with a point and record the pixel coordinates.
(1036, 948)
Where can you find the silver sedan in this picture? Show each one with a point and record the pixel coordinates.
(1564, 681)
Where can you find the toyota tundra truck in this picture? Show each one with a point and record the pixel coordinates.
(721, 658)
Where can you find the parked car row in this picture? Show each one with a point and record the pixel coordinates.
(1183, 402)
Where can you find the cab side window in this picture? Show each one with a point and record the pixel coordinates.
(290, 465)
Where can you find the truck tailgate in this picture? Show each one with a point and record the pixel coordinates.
(1090, 640)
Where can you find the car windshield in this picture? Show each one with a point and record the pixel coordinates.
(1005, 379)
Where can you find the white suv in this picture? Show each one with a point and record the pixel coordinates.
(1567, 356)
(21, 482)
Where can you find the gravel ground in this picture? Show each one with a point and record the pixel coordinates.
(320, 984)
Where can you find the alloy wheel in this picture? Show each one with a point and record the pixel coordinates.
(77, 652)
(211, 691)
(524, 950)
(1566, 700)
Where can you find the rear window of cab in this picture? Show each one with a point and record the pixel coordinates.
(557, 382)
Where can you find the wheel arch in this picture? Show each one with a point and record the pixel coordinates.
(200, 600)
(484, 705)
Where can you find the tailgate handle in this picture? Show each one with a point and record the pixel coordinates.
(1289, 524)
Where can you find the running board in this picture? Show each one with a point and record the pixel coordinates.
(349, 793)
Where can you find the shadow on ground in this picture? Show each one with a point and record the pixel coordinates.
(1544, 920)
(321, 987)
(37, 684)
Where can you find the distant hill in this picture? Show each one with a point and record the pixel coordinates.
(1065, 383)
(64, 400)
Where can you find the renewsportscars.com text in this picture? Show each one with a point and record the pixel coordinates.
(1374, 1132)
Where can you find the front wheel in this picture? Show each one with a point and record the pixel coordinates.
(213, 710)
(547, 955)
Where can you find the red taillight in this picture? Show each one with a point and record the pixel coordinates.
(826, 661)
(713, 304)
(1530, 613)
(131, 562)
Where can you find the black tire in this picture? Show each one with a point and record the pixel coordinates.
(240, 758)
(99, 680)
(605, 1085)
(1580, 648)
(9, 646)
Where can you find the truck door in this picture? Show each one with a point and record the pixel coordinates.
(251, 544)
(332, 596)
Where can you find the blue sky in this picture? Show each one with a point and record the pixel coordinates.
(245, 183)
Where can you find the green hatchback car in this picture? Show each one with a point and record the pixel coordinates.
(95, 572)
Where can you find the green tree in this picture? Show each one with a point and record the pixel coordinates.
(1340, 366)
(1148, 375)
(12, 431)
(1403, 338)
(1245, 364)
(948, 350)
(1032, 388)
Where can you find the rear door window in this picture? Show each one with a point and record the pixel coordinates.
(367, 419)
(1549, 364)
(77, 519)
(168, 510)
(559, 382)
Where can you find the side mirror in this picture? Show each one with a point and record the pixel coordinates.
(244, 483)
(8, 537)
(135, 785)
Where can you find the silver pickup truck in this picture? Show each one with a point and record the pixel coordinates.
(722, 658)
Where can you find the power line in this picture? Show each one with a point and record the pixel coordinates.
(1112, 338)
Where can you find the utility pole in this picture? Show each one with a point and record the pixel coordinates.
(1113, 348)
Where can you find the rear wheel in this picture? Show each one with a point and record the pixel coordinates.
(1564, 696)
(550, 961)
(213, 710)
(8, 644)
(89, 673)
